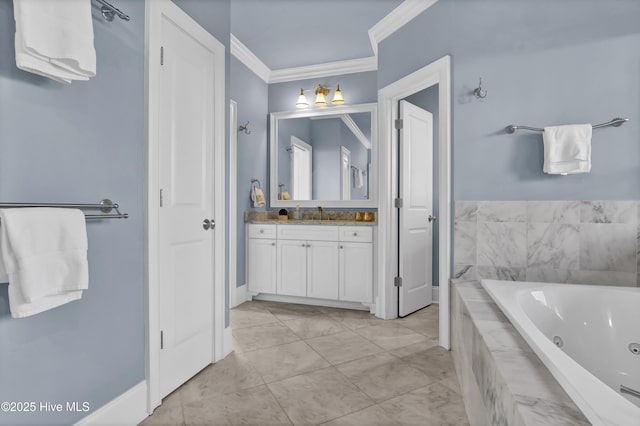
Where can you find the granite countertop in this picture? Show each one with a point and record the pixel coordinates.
(332, 222)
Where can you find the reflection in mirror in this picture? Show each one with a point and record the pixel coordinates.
(324, 156)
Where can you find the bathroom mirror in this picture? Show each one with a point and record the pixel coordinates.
(324, 157)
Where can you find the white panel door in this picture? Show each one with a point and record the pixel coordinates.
(301, 154)
(262, 265)
(323, 272)
(292, 267)
(186, 134)
(345, 167)
(416, 190)
(356, 272)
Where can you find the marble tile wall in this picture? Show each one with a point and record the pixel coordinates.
(580, 242)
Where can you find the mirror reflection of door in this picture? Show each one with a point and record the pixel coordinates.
(301, 154)
(345, 192)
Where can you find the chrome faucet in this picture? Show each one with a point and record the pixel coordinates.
(320, 212)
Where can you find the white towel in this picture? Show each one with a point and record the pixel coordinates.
(359, 177)
(44, 254)
(55, 38)
(567, 149)
(257, 196)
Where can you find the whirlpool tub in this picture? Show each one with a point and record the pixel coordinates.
(587, 336)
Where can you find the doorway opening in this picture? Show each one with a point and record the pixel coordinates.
(437, 74)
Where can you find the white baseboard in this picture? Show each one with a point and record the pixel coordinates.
(128, 409)
(227, 342)
(241, 295)
(312, 301)
(435, 294)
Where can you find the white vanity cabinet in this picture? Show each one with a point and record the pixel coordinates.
(323, 269)
(292, 268)
(262, 255)
(315, 261)
(356, 264)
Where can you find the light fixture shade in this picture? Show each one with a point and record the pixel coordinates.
(337, 97)
(320, 99)
(302, 100)
(321, 92)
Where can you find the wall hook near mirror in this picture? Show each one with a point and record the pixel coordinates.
(245, 128)
(479, 92)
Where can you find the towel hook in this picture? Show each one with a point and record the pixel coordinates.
(254, 181)
(479, 93)
(245, 129)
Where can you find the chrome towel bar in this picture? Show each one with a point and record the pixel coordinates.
(109, 11)
(105, 206)
(616, 122)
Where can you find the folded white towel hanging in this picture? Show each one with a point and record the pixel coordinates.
(567, 149)
(55, 39)
(257, 196)
(359, 177)
(44, 255)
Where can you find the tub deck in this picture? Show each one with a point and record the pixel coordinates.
(502, 380)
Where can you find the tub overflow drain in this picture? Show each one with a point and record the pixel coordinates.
(634, 348)
(557, 340)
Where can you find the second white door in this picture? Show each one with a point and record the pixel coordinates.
(416, 191)
(186, 146)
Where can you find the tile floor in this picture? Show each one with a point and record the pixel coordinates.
(309, 365)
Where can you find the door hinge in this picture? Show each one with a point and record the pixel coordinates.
(161, 55)
(397, 203)
(397, 281)
(398, 124)
(161, 339)
(161, 197)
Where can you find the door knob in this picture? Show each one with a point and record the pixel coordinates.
(206, 224)
(432, 218)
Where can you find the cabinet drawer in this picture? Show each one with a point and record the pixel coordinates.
(356, 234)
(308, 232)
(261, 231)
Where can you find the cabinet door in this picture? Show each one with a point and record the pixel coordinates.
(356, 272)
(262, 266)
(323, 271)
(292, 268)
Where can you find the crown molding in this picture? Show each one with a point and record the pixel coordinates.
(328, 69)
(348, 121)
(396, 19)
(247, 57)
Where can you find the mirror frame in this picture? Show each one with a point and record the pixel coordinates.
(372, 202)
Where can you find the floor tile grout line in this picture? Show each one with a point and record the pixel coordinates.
(279, 404)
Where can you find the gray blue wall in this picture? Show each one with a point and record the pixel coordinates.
(250, 93)
(79, 143)
(543, 63)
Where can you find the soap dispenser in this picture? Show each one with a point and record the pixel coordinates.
(296, 214)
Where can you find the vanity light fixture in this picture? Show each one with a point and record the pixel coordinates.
(321, 93)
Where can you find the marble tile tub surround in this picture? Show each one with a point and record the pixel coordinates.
(251, 216)
(579, 242)
(502, 380)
